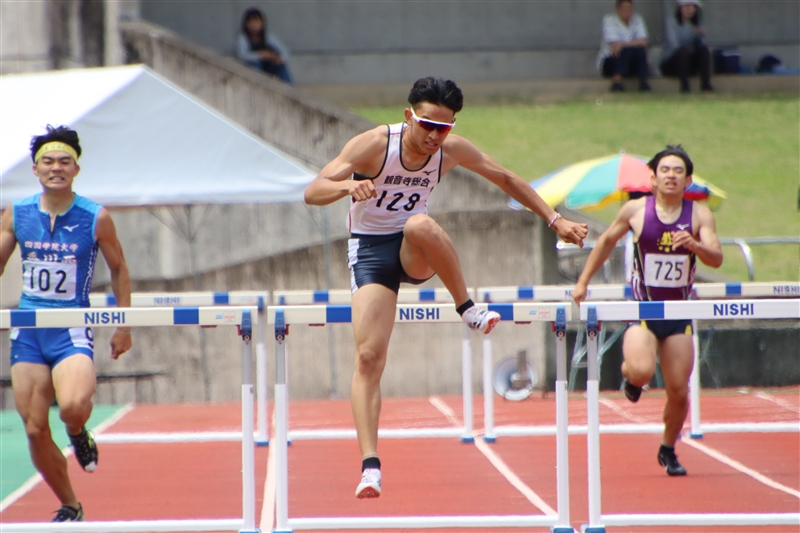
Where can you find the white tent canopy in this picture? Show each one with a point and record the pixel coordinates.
(145, 142)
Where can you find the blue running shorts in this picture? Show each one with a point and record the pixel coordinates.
(49, 346)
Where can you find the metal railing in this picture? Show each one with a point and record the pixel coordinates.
(743, 244)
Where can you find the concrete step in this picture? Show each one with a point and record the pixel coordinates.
(374, 94)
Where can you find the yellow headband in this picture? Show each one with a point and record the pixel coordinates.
(56, 147)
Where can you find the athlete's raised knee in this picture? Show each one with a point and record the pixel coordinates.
(420, 225)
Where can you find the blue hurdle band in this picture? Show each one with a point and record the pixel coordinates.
(129, 316)
(694, 310)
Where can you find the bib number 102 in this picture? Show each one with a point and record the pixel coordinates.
(397, 198)
(55, 281)
(42, 278)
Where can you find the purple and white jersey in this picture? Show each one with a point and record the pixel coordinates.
(402, 192)
(659, 273)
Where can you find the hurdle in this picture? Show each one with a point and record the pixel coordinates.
(404, 296)
(595, 313)
(242, 317)
(550, 293)
(195, 299)
(283, 316)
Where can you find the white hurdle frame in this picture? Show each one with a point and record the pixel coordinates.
(553, 293)
(594, 313)
(404, 296)
(281, 317)
(196, 299)
(243, 317)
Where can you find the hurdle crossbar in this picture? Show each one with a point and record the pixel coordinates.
(243, 317)
(594, 313)
(193, 299)
(281, 317)
(404, 296)
(549, 293)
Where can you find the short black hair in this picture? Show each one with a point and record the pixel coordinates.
(622, 2)
(437, 91)
(61, 134)
(676, 150)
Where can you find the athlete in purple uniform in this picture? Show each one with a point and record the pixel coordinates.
(59, 234)
(669, 232)
(393, 239)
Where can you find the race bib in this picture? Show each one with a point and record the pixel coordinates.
(52, 281)
(666, 270)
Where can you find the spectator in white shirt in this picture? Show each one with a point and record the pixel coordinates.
(623, 50)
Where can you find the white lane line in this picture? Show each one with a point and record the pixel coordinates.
(268, 505)
(67, 451)
(623, 412)
(493, 458)
(721, 457)
(779, 401)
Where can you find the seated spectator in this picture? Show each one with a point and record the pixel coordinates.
(261, 49)
(685, 54)
(623, 50)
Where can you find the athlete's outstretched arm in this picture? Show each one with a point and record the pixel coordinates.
(469, 157)
(8, 240)
(331, 183)
(603, 248)
(707, 248)
(109, 244)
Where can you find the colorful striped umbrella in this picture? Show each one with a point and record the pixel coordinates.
(596, 183)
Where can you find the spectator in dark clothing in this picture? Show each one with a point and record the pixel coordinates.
(261, 49)
(685, 54)
(623, 50)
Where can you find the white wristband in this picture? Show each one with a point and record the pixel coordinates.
(550, 224)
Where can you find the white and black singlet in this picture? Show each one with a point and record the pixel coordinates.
(376, 225)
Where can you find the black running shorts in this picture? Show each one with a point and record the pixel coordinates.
(666, 328)
(376, 259)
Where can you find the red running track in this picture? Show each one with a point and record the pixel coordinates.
(441, 476)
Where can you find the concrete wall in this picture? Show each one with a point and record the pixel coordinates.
(55, 34)
(342, 41)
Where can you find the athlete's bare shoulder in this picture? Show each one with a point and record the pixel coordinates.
(633, 207)
(457, 150)
(367, 150)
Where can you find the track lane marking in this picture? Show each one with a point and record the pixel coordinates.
(779, 401)
(721, 457)
(268, 505)
(711, 452)
(495, 460)
(67, 451)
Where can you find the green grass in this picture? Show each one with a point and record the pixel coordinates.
(748, 146)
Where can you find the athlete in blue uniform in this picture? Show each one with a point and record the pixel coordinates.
(59, 234)
(670, 232)
(393, 239)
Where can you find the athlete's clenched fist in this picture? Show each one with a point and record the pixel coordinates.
(362, 190)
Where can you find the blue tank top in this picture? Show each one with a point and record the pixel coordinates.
(659, 272)
(57, 265)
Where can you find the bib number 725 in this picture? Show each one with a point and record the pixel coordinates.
(666, 270)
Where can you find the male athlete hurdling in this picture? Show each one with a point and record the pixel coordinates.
(394, 168)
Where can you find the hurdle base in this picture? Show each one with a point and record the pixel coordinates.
(489, 439)
(592, 529)
(468, 439)
(262, 443)
(562, 529)
(695, 435)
